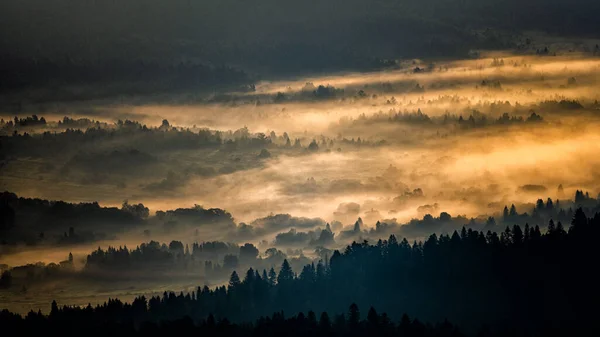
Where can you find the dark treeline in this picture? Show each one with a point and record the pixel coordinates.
(34, 123)
(311, 92)
(116, 318)
(215, 259)
(34, 120)
(211, 261)
(38, 221)
(175, 255)
(88, 137)
(34, 220)
(519, 279)
(540, 212)
(66, 122)
(474, 119)
(129, 153)
(557, 210)
(139, 136)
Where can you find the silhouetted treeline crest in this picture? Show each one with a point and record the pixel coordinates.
(85, 138)
(556, 210)
(73, 139)
(175, 255)
(472, 120)
(198, 215)
(35, 121)
(26, 220)
(213, 260)
(116, 318)
(37, 221)
(563, 104)
(32, 220)
(520, 278)
(541, 212)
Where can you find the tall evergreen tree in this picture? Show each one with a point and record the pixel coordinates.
(353, 315)
(286, 274)
(234, 280)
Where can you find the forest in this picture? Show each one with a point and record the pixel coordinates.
(528, 276)
(273, 168)
(100, 321)
(34, 221)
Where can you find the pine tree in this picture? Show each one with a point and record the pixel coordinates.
(551, 227)
(324, 322)
(286, 273)
(54, 308)
(234, 280)
(579, 219)
(372, 317)
(560, 229)
(312, 318)
(549, 205)
(517, 235)
(353, 315)
(250, 277)
(513, 211)
(272, 277)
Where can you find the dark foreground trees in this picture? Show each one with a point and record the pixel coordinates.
(521, 278)
(113, 319)
(518, 282)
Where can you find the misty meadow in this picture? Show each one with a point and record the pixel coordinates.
(328, 168)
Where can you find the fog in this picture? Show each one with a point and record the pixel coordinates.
(442, 160)
(465, 137)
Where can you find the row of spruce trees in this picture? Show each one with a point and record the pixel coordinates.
(522, 279)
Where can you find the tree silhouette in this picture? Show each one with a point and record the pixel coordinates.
(272, 277)
(372, 318)
(353, 315)
(285, 273)
(518, 280)
(234, 280)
